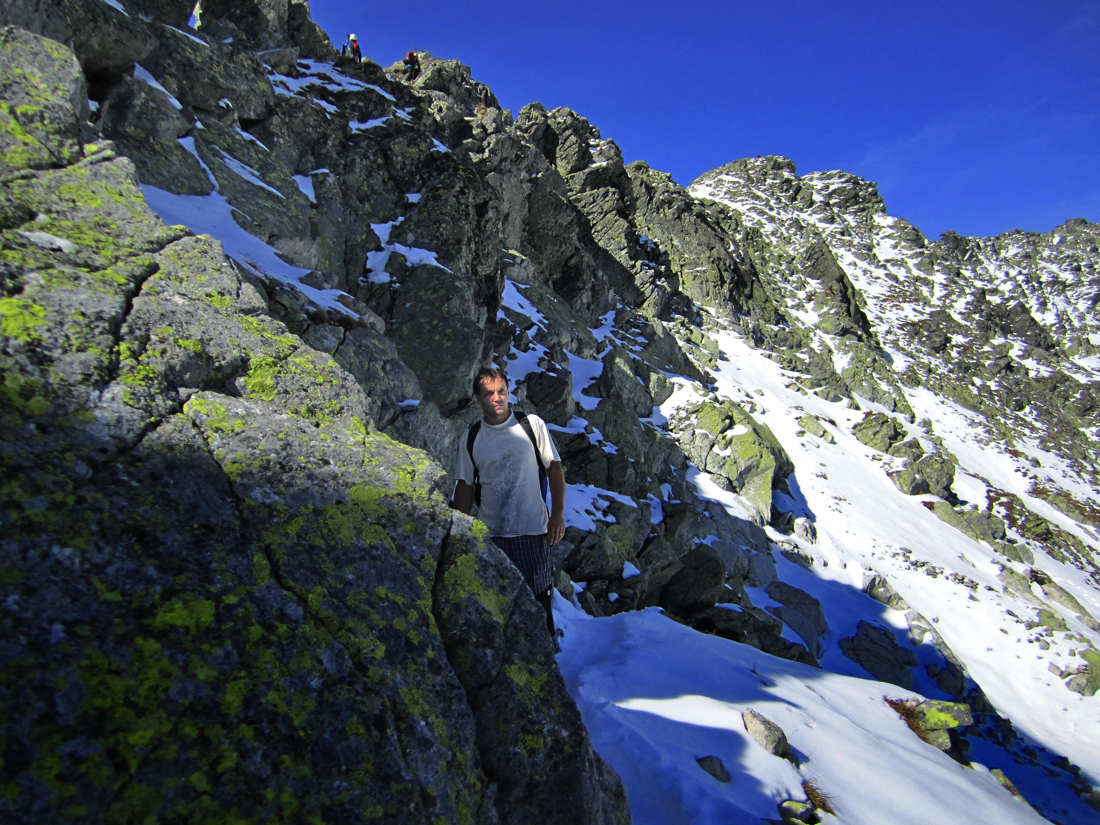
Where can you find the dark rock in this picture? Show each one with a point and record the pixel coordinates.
(877, 651)
(751, 626)
(552, 395)
(801, 612)
(41, 17)
(147, 125)
(698, 584)
(210, 78)
(660, 563)
(170, 12)
(106, 40)
(715, 767)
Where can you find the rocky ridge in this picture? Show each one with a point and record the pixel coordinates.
(224, 484)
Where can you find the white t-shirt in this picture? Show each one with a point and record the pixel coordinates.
(511, 499)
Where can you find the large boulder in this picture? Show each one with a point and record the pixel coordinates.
(765, 733)
(751, 626)
(877, 651)
(146, 124)
(170, 12)
(38, 17)
(106, 39)
(938, 470)
(44, 101)
(698, 584)
(211, 78)
(801, 612)
(262, 24)
(879, 431)
(722, 438)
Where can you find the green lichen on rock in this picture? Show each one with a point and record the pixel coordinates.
(21, 320)
(240, 602)
(879, 431)
(813, 425)
(44, 96)
(935, 714)
(980, 525)
(462, 577)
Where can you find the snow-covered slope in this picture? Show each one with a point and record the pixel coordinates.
(658, 699)
(1022, 310)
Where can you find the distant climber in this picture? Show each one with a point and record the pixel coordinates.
(351, 49)
(412, 66)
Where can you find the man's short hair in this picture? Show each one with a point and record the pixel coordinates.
(488, 374)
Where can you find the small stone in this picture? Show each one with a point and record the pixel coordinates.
(766, 733)
(795, 811)
(715, 767)
(938, 715)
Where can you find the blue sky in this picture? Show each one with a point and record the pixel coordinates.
(975, 116)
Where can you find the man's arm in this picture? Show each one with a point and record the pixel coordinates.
(556, 528)
(463, 500)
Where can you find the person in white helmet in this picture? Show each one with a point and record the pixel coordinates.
(351, 49)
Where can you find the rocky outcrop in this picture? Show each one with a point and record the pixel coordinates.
(724, 439)
(934, 721)
(228, 594)
(879, 431)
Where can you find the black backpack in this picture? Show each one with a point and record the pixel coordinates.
(521, 417)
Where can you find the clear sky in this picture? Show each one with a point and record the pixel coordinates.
(971, 115)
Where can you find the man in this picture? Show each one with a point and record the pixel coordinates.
(504, 469)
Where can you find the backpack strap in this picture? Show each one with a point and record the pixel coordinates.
(524, 422)
(471, 436)
(544, 480)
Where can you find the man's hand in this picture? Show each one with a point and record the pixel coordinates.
(556, 528)
(463, 500)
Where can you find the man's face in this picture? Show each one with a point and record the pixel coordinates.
(493, 398)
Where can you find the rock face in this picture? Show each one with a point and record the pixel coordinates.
(240, 599)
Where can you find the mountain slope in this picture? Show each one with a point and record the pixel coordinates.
(787, 420)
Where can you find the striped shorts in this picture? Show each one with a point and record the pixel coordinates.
(531, 554)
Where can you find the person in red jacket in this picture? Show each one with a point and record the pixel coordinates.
(351, 49)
